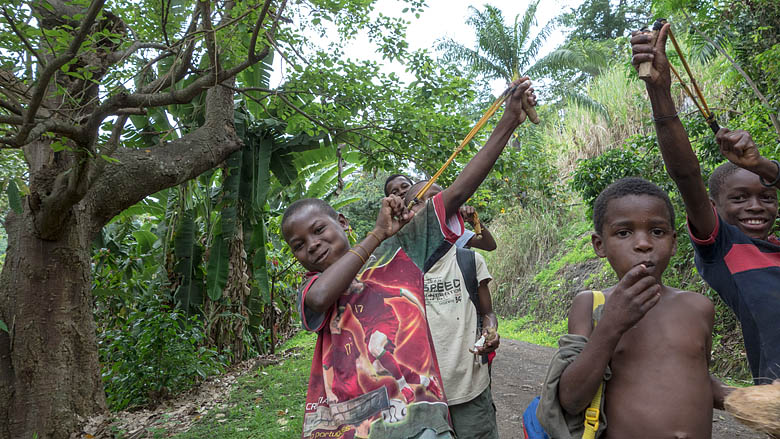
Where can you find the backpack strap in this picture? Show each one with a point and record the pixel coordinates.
(468, 268)
(467, 263)
(592, 412)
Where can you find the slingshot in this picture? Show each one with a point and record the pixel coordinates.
(530, 111)
(646, 67)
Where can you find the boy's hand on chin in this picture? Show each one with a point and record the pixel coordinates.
(632, 297)
(392, 216)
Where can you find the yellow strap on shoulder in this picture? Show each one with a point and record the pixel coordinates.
(592, 412)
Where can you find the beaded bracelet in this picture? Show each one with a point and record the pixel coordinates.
(371, 232)
(362, 259)
(777, 178)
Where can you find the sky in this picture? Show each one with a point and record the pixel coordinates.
(447, 19)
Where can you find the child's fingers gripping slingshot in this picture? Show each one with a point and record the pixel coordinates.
(527, 107)
(646, 71)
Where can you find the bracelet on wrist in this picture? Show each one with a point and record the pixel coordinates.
(371, 233)
(362, 259)
(665, 118)
(777, 177)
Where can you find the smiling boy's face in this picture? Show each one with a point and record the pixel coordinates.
(745, 203)
(316, 239)
(637, 230)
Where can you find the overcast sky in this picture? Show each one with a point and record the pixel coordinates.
(447, 19)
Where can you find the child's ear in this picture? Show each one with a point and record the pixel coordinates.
(598, 245)
(343, 222)
(674, 248)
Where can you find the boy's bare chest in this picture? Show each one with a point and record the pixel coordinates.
(665, 331)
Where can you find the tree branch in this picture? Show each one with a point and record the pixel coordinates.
(42, 84)
(116, 57)
(211, 43)
(22, 37)
(258, 25)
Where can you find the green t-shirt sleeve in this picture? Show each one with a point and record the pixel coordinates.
(422, 237)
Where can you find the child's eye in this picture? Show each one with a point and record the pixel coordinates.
(623, 233)
(319, 229)
(658, 232)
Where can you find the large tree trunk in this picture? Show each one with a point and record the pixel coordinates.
(49, 370)
(48, 359)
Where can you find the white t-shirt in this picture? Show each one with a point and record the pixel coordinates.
(452, 318)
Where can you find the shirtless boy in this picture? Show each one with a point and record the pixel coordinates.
(735, 252)
(655, 339)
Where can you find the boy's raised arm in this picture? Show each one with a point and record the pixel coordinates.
(480, 165)
(681, 162)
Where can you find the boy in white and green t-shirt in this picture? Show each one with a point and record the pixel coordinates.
(457, 318)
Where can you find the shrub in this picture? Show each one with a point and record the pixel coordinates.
(154, 352)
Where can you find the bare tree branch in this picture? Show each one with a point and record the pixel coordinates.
(131, 112)
(48, 72)
(211, 43)
(118, 56)
(183, 66)
(258, 26)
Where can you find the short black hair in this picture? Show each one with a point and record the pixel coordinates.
(393, 177)
(719, 176)
(412, 192)
(303, 203)
(625, 187)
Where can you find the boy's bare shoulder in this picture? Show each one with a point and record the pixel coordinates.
(697, 301)
(580, 313)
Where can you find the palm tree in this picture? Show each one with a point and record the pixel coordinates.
(502, 52)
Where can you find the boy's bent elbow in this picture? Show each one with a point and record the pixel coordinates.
(565, 398)
(317, 302)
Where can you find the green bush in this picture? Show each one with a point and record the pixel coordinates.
(154, 352)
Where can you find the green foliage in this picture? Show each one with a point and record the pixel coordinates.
(638, 157)
(605, 19)
(154, 351)
(529, 329)
(503, 52)
(267, 403)
(580, 251)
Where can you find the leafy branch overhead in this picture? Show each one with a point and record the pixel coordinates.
(76, 72)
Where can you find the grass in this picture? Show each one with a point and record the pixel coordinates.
(266, 404)
(527, 329)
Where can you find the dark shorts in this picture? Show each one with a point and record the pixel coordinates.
(475, 419)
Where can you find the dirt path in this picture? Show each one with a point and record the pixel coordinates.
(518, 373)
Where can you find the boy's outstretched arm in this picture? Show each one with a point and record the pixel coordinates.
(480, 165)
(739, 148)
(484, 242)
(681, 162)
(332, 282)
(628, 302)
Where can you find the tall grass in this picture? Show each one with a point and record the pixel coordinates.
(527, 240)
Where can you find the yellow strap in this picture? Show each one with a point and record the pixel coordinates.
(592, 412)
